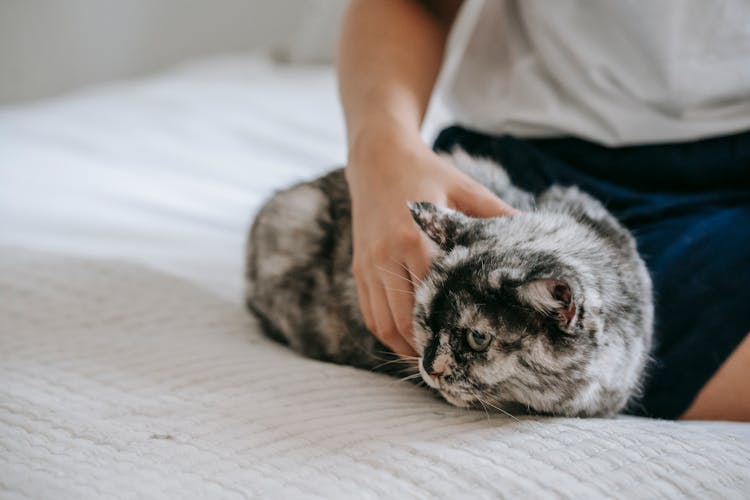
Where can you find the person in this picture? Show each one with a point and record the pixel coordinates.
(644, 105)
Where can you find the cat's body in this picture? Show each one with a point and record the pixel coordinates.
(549, 309)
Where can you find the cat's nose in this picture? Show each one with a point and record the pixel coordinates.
(437, 374)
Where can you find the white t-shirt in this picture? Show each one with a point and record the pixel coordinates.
(612, 71)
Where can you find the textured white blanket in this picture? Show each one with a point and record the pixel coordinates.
(117, 381)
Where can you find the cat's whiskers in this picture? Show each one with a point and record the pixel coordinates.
(398, 360)
(374, 355)
(481, 403)
(392, 357)
(409, 272)
(502, 411)
(402, 356)
(398, 290)
(397, 275)
(495, 407)
(396, 365)
(409, 377)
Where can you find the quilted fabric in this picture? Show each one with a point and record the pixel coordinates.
(118, 381)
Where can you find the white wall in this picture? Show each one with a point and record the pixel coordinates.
(51, 46)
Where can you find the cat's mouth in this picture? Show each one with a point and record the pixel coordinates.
(454, 395)
(435, 384)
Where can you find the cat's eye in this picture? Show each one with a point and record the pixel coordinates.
(479, 341)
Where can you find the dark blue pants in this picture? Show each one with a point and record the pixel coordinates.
(688, 206)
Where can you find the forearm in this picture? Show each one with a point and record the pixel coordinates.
(390, 53)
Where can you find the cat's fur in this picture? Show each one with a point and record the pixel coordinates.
(559, 288)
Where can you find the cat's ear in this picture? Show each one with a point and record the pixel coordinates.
(550, 296)
(441, 225)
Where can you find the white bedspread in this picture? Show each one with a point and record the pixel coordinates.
(128, 367)
(118, 381)
(168, 170)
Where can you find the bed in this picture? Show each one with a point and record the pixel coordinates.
(129, 368)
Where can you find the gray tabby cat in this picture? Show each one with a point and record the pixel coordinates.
(549, 310)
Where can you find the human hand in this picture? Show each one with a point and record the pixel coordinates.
(390, 253)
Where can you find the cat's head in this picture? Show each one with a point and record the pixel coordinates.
(503, 317)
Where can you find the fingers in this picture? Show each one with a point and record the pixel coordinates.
(363, 297)
(376, 312)
(400, 283)
(478, 201)
(385, 326)
(400, 297)
(418, 265)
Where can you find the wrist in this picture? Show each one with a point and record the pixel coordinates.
(384, 140)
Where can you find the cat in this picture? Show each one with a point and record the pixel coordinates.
(549, 311)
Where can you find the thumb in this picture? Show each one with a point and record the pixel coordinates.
(477, 201)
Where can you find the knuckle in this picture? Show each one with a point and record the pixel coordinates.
(462, 187)
(387, 335)
(405, 325)
(380, 251)
(408, 238)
